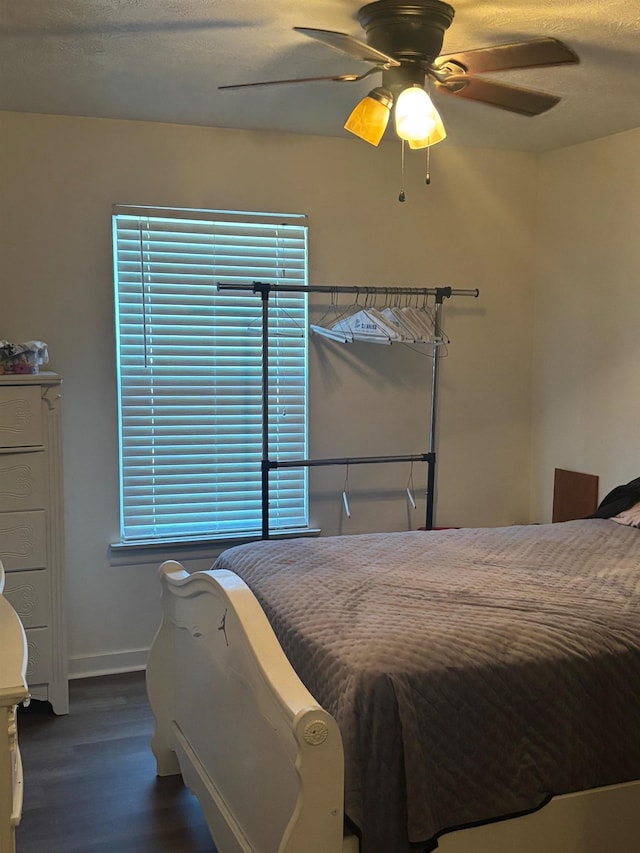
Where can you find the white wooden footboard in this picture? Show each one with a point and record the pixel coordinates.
(263, 758)
(266, 761)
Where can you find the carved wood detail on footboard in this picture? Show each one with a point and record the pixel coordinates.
(263, 758)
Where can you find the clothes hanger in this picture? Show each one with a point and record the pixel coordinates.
(419, 321)
(427, 319)
(410, 488)
(330, 330)
(288, 326)
(343, 328)
(395, 318)
(345, 493)
(386, 326)
(347, 320)
(368, 325)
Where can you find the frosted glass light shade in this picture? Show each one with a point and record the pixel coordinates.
(417, 120)
(369, 119)
(437, 135)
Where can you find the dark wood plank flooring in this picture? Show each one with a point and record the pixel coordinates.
(90, 782)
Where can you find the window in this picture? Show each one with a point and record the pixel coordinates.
(189, 360)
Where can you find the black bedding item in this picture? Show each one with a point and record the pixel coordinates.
(618, 499)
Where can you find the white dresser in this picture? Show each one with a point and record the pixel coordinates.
(13, 689)
(32, 526)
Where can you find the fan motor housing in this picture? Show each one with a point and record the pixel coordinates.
(407, 31)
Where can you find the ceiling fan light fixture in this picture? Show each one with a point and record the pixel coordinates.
(417, 120)
(370, 117)
(437, 135)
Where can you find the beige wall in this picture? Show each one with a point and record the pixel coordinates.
(473, 227)
(587, 341)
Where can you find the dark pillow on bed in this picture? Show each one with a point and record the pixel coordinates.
(618, 500)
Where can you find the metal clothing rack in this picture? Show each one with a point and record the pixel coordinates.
(268, 465)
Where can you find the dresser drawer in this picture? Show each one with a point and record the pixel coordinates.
(29, 595)
(23, 540)
(20, 416)
(39, 666)
(22, 481)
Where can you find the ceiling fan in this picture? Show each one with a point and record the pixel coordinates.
(404, 42)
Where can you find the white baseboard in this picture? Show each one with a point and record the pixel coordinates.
(87, 666)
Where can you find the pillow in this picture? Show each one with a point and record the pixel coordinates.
(630, 517)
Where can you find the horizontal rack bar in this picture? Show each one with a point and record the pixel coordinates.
(257, 286)
(347, 460)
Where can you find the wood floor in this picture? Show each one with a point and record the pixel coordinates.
(90, 782)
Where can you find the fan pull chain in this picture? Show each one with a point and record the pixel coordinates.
(427, 177)
(402, 196)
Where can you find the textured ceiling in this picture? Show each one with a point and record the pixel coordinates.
(162, 60)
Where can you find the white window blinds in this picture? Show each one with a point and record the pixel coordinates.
(190, 371)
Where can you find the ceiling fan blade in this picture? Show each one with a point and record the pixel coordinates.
(507, 57)
(524, 101)
(336, 78)
(349, 45)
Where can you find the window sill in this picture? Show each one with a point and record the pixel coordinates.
(127, 553)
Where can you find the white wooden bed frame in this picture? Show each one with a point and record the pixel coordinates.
(13, 690)
(266, 761)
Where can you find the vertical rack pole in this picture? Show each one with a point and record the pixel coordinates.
(442, 293)
(263, 290)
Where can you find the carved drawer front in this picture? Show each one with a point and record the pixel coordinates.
(23, 542)
(28, 594)
(20, 416)
(39, 667)
(22, 481)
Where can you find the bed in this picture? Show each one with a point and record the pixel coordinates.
(466, 690)
(13, 690)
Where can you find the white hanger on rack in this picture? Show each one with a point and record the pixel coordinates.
(368, 325)
(329, 324)
(417, 320)
(281, 324)
(331, 334)
(410, 488)
(345, 494)
(413, 324)
(356, 323)
(395, 318)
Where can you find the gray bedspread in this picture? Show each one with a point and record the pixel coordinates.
(472, 673)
